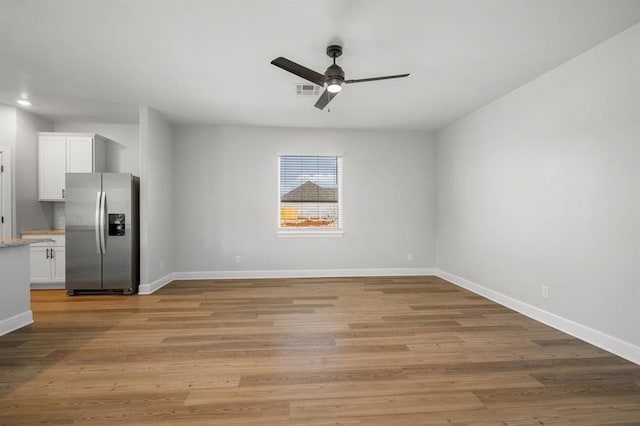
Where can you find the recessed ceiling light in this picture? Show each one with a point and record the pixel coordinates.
(24, 102)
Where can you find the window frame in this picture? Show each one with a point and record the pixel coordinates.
(312, 232)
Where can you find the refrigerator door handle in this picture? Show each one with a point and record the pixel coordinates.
(97, 222)
(103, 215)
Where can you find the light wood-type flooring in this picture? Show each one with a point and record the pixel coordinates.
(342, 351)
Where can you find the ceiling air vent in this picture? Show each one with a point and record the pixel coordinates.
(305, 89)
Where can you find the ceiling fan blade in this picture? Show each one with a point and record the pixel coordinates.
(362, 80)
(325, 98)
(299, 70)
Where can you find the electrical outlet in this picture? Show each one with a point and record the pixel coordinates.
(162, 264)
(238, 259)
(545, 291)
(409, 257)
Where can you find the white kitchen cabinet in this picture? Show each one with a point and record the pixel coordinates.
(60, 153)
(52, 165)
(47, 259)
(40, 269)
(58, 259)
(80, 158)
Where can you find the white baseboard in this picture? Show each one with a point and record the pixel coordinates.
(47, 286)
(15, 322)
(155, 285)
(597, 338)
(285, 273)
(303, 273)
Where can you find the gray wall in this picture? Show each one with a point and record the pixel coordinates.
(542, 188)
(225, 189)
(30, 213)
(156, 198)
(8, 125)
(15, 307)
(19, 130)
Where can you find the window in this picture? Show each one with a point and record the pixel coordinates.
(310, 193)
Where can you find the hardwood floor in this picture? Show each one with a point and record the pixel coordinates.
(344, 351)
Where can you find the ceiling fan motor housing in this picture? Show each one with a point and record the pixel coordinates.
(334, 71)
(335, 78)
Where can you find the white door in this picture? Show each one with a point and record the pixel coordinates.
(5, 192)
(2, 231)
(79, 154)
(40, 264)
(51, 167)
(58, 254)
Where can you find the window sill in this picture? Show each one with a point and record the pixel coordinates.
(296, 233)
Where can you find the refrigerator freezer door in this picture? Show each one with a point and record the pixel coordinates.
(118, 266)
(83, 260)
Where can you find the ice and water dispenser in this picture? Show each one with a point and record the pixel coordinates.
(116, 224)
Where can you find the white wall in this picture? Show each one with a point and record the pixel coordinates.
(225, 189)
(156, 198)
(29, 212)
(123, 149)
(542, 187)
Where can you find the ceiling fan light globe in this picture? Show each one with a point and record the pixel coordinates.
(334, 85)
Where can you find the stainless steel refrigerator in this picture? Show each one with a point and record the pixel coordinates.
(102, 233)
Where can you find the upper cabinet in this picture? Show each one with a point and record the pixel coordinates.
(52, 165)
(60, 153)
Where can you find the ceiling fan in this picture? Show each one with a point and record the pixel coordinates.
(333, 77)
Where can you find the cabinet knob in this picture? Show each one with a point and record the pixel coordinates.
(62, 192)
(47, 253)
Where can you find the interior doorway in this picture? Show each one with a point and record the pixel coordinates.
(5, 192)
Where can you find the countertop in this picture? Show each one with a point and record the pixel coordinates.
(15, 242)
(44, 231)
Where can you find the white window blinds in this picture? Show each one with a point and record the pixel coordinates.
(310, 192)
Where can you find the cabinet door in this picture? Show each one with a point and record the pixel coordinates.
(52, 159)
(58, 264)
(79, 154)
(40, 265)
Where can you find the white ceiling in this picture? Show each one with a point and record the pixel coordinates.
(208, 61)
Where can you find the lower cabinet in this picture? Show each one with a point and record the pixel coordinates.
(47, 260)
